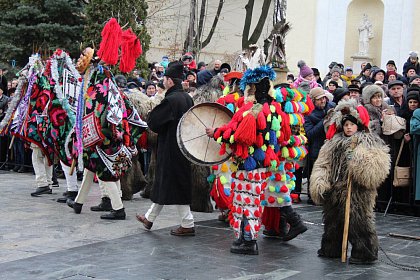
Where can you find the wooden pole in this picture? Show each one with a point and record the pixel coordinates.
(347, 211)
(73, 165)
(11, 142)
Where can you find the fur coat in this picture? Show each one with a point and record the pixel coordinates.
(369, 165)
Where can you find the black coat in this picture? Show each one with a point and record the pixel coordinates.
(173, 171)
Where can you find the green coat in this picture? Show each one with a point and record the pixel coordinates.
(415, 132)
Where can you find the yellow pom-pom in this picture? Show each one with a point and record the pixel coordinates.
(231, 139)
(280, 200)
(233, 167)
(223, 180)
(219, 140)
(224, 167)
(251, 150)
(264, 147)
(272, 108)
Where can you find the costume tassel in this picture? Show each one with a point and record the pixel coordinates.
(130, 50)
(246, 132)
(111, 41)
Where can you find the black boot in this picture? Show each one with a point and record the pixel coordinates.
(105, 205)
(77, 207)
(245, 248)
(68, 195)
(293, 219)
(42, 190)
(114, 215)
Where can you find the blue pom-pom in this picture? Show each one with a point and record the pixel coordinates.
(250, 164)
(273, 139)
(278, 188)
(259, 154)
(276, 147)
(287, 198)
(263, 203)
(256, 75)
(226, 191)
(231, 107)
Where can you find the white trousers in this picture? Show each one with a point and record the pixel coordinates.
(104, 193)
(111, 189)
(43, 171)
(184, 212)
(71, 180)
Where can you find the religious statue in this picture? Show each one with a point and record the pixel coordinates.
(365, 34)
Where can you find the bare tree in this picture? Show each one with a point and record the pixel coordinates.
(246, 40)
(199, 43)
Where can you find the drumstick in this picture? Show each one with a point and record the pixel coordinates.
(73, 165)
(11, 142)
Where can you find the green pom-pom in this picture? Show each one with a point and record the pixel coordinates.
(273, 165)
(231, 139)
(267, 136)
(272, 189)
(251, 150)
(219, 140)
(272, 108)
(280, 200)
(223, 180)
(269, 118)
(275, 124)
(211, 178)
(264, 147)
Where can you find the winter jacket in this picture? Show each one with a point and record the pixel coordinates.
(408, 64)
(415, 132)
(314, 129)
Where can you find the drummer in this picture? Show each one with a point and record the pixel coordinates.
(172, 185)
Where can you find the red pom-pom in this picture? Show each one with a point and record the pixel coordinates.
(111, 41)
(260, 140)
(250, 176)
(241, 177)
(257, 202)
(222, 150)
(257, 177)
(236, 224)
(288, 166)
(284, 189)
(261, 121)
(130, 50)
(240, 187)
(248, 187)
(246, 212)
(247, 200)
(262, 196)
(263, 176)
(277, 177)
(263, 185)
(257, 228)
(271, 199)
(294, 195)
(247, 227)
(331, 131)
(238, 197)
(233, 175)
(257, 190)
(239, 210)
(215, 167)
(257, 213)
(246, 133)
(266, 109)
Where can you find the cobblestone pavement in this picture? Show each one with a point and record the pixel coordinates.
(43, 239)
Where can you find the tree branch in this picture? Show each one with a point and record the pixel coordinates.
(213, 27)
(247, 25)
(261, 21)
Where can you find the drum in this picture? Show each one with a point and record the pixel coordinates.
(192, 139)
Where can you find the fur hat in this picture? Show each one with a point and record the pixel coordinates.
(336, 69)
(413, 94)
(354, 88)
(175, 70)
(304, 69)
(348, 110)
(369, 91)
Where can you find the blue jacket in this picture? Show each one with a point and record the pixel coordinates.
(314, 129)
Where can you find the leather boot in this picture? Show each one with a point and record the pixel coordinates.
(245, 248)
(105, 205)
(114, 215)
(42, 190)
(293, 219)
(77, 207)
(68, 195)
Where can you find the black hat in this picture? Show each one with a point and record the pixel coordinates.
(225, 66)
(376, 72)
(411, 67)
(367, 66)
(121, 81)
(413, 94)
(339, 94)
(413, 78)
(391, 62)
(349, 117)
(201, 64)
(354, 88)
(395, 83)
(316, 71)
(175, 70)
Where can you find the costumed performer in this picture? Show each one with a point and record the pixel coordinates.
(350, 155)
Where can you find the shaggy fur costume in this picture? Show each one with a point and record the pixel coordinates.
(369, 166)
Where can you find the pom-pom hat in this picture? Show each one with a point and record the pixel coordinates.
(305, 70)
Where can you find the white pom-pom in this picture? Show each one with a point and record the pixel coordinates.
(301, 63)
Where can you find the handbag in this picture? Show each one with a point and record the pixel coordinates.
(91, 130)
(392, 124)
(402, 175)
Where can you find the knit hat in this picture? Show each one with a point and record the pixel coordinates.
(392, 63)
(175, 70)
(413, 94)
(395, 83)
(369, 91)
(304, 69)
(339, 94)
(201, 64)
(348, 110)
(354, 88)
(413, 78)
(392, 72)
(348, 68)
(336, 69)
(316, 93)
(413, 54)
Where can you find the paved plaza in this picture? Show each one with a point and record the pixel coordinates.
(42, 239)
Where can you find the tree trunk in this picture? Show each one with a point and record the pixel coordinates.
(213, 27)
(258, 28)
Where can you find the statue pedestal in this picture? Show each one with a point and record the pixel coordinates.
(358, 60)
(281, 76)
